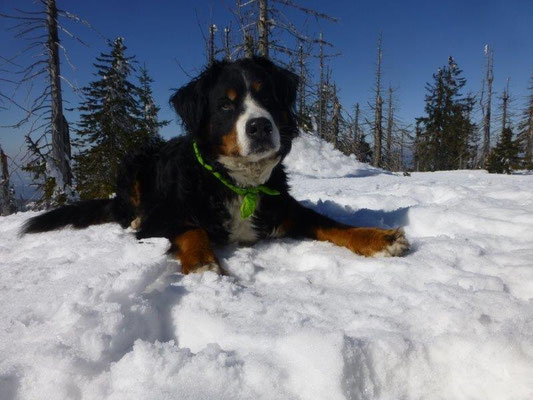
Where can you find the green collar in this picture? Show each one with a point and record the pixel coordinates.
(250, 194)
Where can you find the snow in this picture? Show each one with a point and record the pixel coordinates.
(96, 314)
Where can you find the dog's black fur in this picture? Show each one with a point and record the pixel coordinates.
(169, 193)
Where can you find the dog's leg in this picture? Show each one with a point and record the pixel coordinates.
(369, 242)
(194, 251)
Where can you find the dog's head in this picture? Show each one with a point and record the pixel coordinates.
(240, 111)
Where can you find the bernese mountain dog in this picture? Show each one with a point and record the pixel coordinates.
(223, 181)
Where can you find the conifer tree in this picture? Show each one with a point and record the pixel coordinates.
(504, 157)
(471, 160)
(446, 129)
(109, 125)
(149, 123)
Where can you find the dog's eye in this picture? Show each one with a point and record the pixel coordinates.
(264, 97)
(227, 107)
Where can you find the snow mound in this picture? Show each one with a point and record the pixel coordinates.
(313, 157)
(96, 314)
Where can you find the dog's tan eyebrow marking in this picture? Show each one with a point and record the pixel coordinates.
(256, 86)
(232, 94)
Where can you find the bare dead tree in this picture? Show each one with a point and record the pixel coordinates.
(306, 10)
(328, 106)
(378, 108)
(321, 89)
(245, 21)
(265, 27)
(486, 107)
(262, 28)
(301, 82)
(249, 46)
(390, 122)
(335, 118)
(396, 135)
(356, 140)
(48, 138)
(227, 45)
(417, 147)
(403, 134)
(8, 204)
(211, 44)
(263, 21)
(3, 101)
(59, 126)
(306, 87)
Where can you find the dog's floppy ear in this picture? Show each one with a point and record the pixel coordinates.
(285, 81)
(191, 100)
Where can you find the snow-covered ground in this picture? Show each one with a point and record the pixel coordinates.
(95, 314)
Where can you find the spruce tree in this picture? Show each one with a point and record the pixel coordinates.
(504, 157)
(149, 123)
(446, 129)
(473, 149)
(109, 123)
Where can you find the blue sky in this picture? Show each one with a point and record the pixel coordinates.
(418, 37)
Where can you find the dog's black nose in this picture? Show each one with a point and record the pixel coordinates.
(258, 127)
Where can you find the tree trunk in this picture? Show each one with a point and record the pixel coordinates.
(227, 47)
(402, 144)
(356, 137)
(486, 119)
(249, 46)
(321, 100)
(505, 100)
(335, 118)
(378, 132)
(378, 111)
(211, 44)
(262, 28)
(7, 203)
(301, 84)
(417, 147)
(388, 144)
(59, 125)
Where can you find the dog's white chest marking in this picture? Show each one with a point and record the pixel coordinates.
(249, 173)
(240, 230)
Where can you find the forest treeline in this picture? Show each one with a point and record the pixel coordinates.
(69, 160)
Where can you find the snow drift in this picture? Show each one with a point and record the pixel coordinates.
(96, 314)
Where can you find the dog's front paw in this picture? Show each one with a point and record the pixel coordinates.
(368, 242)
(394, 243)
(201, 268)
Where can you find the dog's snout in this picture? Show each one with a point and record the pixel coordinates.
(258, 127)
